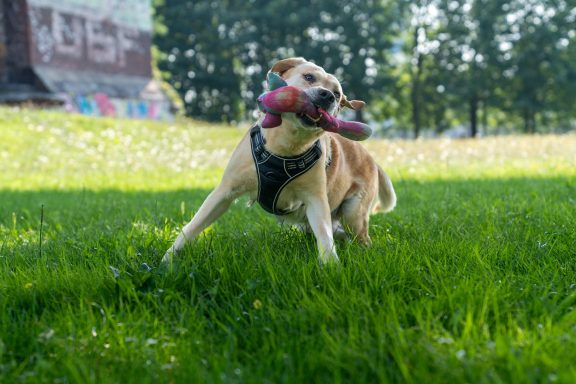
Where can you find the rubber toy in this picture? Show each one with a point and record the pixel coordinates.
(284, 98)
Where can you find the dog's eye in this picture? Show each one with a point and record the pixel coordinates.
(337, 94)
(309, 78)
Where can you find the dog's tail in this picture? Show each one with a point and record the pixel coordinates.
(385, 193)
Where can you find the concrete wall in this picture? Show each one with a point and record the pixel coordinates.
(111, 36)
(14, 26)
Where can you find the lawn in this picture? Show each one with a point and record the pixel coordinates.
(472, 278)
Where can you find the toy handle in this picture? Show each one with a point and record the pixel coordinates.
(292, 100)
(352, 130)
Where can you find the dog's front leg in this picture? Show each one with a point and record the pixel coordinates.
(213, 207)
(320, 220)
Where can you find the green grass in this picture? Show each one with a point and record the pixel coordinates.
(471, 279)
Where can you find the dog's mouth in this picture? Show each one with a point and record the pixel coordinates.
(308, 120)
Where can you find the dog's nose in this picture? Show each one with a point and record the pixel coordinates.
(327, 95)
(324, 99)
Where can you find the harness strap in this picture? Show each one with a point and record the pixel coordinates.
(275, 172)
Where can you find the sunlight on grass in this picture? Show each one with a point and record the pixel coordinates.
(50, 150)
(44, 150)
(491, 157)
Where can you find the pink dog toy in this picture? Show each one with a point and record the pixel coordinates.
(284, 98)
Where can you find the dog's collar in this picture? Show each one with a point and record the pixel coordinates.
(275, 172)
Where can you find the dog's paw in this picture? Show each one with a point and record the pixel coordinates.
(327, 258)
(167, 258)
(168, 263)
(341, 235)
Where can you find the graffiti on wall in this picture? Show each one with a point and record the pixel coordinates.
(100, 104)
(94, 52)
(107, 36)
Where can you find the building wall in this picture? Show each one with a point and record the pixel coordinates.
(91, 55)
(16, 63)
(111, 36)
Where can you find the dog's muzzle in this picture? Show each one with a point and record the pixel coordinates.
(323, 98)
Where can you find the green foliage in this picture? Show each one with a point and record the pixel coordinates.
(543, 62)
(470, 279)
(491, 65)
(200, 66)
(217, 53)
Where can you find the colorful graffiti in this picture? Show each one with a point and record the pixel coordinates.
(100, 104)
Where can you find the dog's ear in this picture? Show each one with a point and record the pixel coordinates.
(283, 65)
(352, 104)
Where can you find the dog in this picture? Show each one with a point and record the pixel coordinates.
(333, 198)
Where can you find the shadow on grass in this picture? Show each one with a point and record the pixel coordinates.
(95, 229)
(106, 217)
(125, 226)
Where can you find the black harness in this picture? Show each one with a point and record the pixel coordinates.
(275, 172)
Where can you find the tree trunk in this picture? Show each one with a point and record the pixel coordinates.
(529, 121)
(474, 115)
(484, 117)
(416, 108)
(359, 115)
(415, 95)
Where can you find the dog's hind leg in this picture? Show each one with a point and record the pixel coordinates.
(356, 214)
(213, 207)
(339, 231)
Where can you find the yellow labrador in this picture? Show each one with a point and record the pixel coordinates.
(335, 195)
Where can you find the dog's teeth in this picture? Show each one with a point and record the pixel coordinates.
(313, 119)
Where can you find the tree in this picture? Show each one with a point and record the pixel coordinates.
(217, 52)
(420, 22)
(199, 62)
(468, 53)
(350, 39)
(426, 63)
(543, 39)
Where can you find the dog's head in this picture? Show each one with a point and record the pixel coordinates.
(323, 88)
